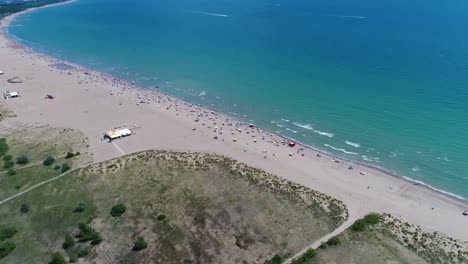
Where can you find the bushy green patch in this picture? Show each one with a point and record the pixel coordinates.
(277, 259)
(87, 233)
(7, 157)
(305, 258)
(79, 208)
(7, 232)
(8, 164)
(139, 244)
(333, 241)
(57, 167)
(69, 242)
(69, 155)
(57, 258)
(65, 167)
(11, 172)
(6, 248)
(24, 208)
(48, 161)
(23, 159)
(84, 251)
(161, 217)
(118, 210)
(3, 147)
(368, 220)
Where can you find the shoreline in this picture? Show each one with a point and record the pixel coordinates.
(382, 169)
(5, 23)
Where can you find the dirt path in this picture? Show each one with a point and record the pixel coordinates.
(325, 238)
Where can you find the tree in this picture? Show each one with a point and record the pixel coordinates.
(57, 258)
(6, 248)
(69, 155)
(8, 164)
(88, 233)
(7, 157)
(23, 159)
(333, 241)
(69, 242)
(48, 161)
(305, 258)
(79, 208)
(118, 210)
(57, 167)
(11, 172)
(84, 251)
(3, 147)
(24, 207)
(65, 167)
(139, 244)
(8, 232)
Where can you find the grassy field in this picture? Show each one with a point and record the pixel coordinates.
(188, 207)
(390, 241)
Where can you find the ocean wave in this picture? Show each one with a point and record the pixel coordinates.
(433, 188)
(356, 145)
(306, 126)
(278, 125)
(340, 149)
(294, 131)
(202, 93)
(415, 169)
(285, 120)
(327, 134)
(211, 14)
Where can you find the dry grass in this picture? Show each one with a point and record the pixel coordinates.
(216, 211)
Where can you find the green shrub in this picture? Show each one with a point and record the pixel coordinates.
(161, 217)
(333, 241)
(276, 259)
(8, 232)
(57, 167)
(79, 208)
(69, 155)
(88, 233)
(11, 172)
(7, 157)
(69, 242)
(139, 244)
(118, 210)
(84, 251)
(24, 207)
(3, 147)
(305, 258)
(6, 248)
(73, 258)
(359, 225)
(57, 258)
(48, 161)
(373, 218)
(77, 153)
(323, 245)
(23, 159)
(65, 167)
(8, 164)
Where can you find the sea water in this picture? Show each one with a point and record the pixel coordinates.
(380, 82)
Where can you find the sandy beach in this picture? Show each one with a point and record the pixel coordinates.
(95, 102)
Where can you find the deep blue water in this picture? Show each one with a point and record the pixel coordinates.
(382, 82)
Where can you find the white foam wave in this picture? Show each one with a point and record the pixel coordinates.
(294, 131)
(435, 189)
(354, 144)
(340, 149)
(306, 126)
(211, 14)
(278, 125)
(327, 134)
(415, 169)
(203, 93)
(285, 120)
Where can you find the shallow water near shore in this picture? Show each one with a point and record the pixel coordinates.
(380, 83)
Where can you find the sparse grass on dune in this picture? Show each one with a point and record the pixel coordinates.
(187, 206)
(391, 241)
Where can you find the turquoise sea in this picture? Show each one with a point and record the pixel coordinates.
(381, 82)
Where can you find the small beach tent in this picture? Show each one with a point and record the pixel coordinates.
(113, 134)
(125, 132)
(292, 143)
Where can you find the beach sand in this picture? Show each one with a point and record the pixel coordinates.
(94, 102)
